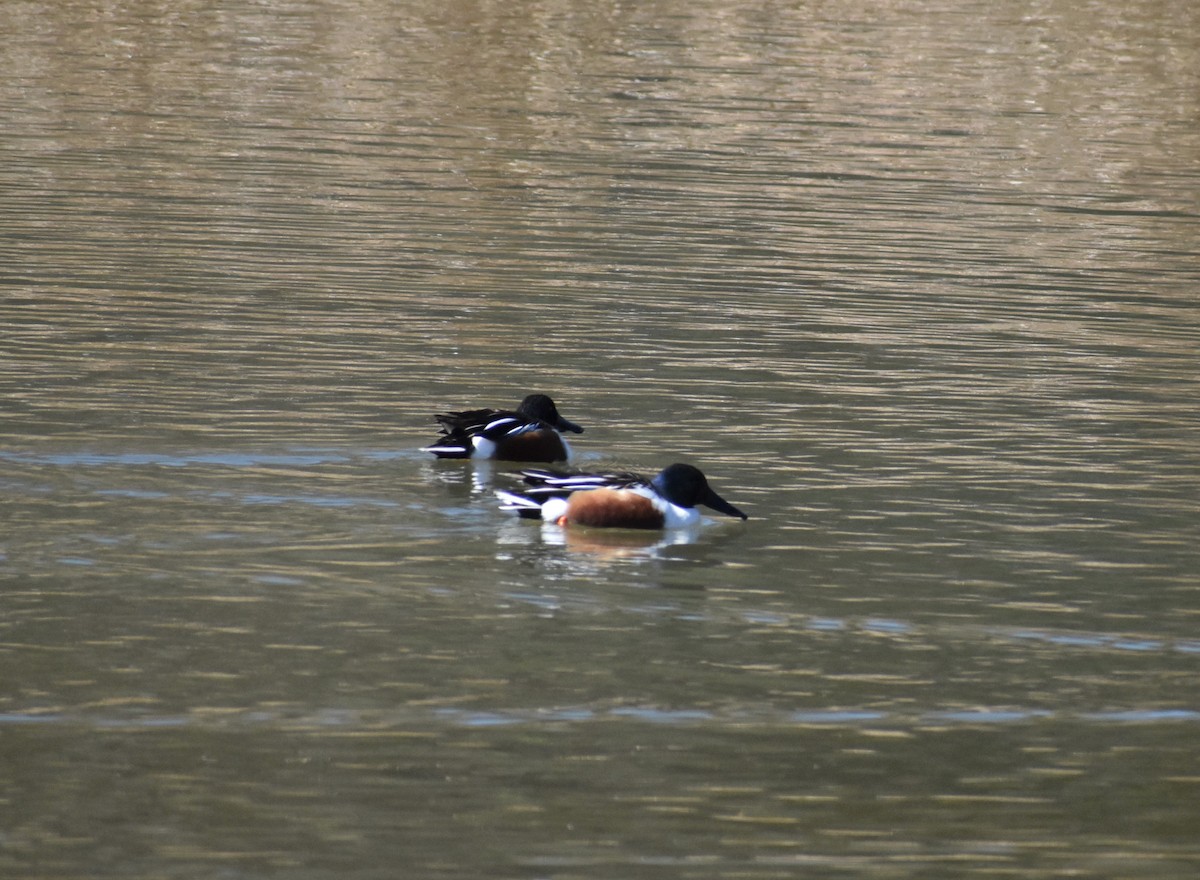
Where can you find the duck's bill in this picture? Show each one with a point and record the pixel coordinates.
(719, 504)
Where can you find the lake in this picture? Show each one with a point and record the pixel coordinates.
(915, 283)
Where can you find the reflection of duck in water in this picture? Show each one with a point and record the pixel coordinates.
(619, 543)
(533, 432)
(668, 501)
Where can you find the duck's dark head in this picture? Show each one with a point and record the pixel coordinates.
(540, 406)
(686, 486)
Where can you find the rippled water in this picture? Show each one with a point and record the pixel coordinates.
(915, 283)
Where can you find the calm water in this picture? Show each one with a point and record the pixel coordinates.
(916, 283)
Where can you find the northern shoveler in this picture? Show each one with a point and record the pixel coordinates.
(532, 433)
(620, 500)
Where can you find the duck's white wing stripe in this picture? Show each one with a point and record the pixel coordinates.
(513, 501)
(457, 447)
(499, 423)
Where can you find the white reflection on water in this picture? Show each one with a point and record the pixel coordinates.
(382, 720)
(86, 458)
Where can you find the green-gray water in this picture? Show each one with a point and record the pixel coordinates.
(917, 284)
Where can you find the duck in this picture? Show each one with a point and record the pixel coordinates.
(616, 500)
(533, 432)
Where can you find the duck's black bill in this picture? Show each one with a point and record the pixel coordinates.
(566, 425)
(719, 504)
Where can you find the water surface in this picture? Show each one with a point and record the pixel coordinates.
(915, 284)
